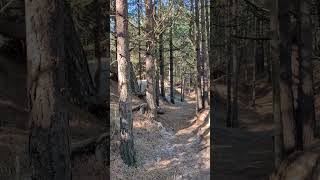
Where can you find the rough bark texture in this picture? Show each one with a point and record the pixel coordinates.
(306, 109)
(108, 58)
(212, 69)
(49, 145)
(171, 66)
(278, 140)
(198, 58)
(139, 42)
(150, 68)
(286, 96)
(204, 57)
(125, 109)
(161, 61)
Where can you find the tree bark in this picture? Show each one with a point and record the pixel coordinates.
(97, 47)
(204, 55)
(171, 65)
(108, 59)
(150, 68)
(229, 67)
(235, 70)
(198, 58)
(286, 96)
(139, 42)
(161, 60)
(49, 141)
(274, 45)
(125, 110)
(306, 109)
(211, 60)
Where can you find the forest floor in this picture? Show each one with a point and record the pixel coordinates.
(246, 152)
(176, 146)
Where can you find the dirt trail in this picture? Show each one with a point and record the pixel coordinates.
(243, 153)
(176, 147)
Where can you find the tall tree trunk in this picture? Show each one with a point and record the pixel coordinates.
(97, 48)
(286, 96)
(191, 24)
(161, 60)
(306, 110)
(254, 64)
(139, 42)
(235, 70)
(49, 139)
(211, 61)
(274, 45)
(182, 85)
(204, 55)
(259, 49)
(156, 61)
(107, 75)
(198, 58)
(150, 68)
(229, 67)
(125, 107)
(171, 66)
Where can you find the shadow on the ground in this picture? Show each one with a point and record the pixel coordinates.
(242, 153)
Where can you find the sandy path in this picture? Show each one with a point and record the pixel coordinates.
(175, 148)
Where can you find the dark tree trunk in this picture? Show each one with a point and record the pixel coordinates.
(235, 69)
(286, 96)
(254, 64)
(198, 58)
(150, 65)
(204, 55)
(229, 68)
(139, 42)
(125, 107)
(171, 66)
(133, 81)
(49, 141)
(156, 63)
(274, 45)
(306, 109)
(211, 62)
(107, 74)
(80, 86)
(97, 47)
(259, 49)
(161, 60)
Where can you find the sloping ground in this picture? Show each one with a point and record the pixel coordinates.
(14, 127)
(177, 147)
(243, 153)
